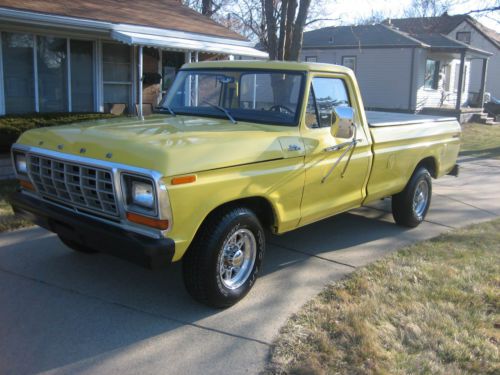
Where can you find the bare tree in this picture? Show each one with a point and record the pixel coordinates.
(427, 8)
(277, 25)
(206, 7)
(375, 17)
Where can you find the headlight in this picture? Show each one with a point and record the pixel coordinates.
(20, 163)
(139, 194)
(142, 194)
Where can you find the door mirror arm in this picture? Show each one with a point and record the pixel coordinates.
(350, 146)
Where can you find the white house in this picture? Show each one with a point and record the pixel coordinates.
(94, 56)
(401, 71)
(468, 30)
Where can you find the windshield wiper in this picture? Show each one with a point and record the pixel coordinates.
(222, 109)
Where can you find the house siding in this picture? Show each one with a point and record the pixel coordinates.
(383, 74)
(493, 71)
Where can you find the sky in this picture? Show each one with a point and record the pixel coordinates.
(351, 10)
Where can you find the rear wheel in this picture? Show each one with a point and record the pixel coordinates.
(223, 262)
(410, 207)
(77, 246)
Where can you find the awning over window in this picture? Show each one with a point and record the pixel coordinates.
(176, 43)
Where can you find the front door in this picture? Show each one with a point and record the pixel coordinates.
(328, 191)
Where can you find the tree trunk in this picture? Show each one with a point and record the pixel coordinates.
(289, 28)
(283, 23)
(272, 39)
(206, 8)
(298, 30)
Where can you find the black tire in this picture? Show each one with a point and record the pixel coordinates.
(203, 260)
(404, 211)
(77, 246)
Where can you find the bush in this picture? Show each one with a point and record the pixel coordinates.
(11, 127)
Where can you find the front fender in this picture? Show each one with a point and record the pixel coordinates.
(280, 182)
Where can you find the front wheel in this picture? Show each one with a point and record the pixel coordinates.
(222, 263)
(411, 205)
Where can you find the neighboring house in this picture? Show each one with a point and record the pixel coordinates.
(89, 55)
(397, 70)
(468, 30)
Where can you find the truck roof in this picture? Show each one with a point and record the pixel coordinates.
(269, 64)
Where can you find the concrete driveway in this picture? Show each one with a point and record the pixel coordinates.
(63, 312)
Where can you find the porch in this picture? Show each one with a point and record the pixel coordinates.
(446, 79)
(53, 63)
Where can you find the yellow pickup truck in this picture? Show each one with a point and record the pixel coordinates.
(236, 148)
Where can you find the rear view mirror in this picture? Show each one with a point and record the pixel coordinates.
(342, 122)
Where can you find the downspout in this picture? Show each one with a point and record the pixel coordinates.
(140, 66)
(196, 81)
(412, 78)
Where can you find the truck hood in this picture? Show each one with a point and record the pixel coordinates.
(170, 145)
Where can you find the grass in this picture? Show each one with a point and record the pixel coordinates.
(8, 220)
(480, 141)
(432, 308)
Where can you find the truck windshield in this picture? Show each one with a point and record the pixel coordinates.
(270, 97)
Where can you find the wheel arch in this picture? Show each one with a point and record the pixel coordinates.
(430, 164)
(261, 206)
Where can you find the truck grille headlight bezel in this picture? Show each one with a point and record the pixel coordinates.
(20, 163)
(139, 194)
(161, 216)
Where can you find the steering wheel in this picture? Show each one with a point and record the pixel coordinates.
(281, 109)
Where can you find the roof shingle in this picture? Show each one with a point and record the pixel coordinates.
(352, 36)
(163, 14)
(441, 25)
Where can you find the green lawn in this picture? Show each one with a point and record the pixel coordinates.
(432, 308)
(8, 221)
(480, 141)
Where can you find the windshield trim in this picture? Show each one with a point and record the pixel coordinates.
(298, 113)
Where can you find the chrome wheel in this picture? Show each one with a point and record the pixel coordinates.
(421, 198)
(237, 258)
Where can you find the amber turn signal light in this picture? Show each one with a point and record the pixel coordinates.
(26, 185)
(183, 179)
(148, 221)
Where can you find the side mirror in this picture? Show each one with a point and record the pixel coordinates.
(342, 122)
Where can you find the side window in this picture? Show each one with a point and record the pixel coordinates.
(325, 95)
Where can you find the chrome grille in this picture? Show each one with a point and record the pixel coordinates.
(80, 186)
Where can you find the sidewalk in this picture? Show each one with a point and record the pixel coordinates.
(64, 312)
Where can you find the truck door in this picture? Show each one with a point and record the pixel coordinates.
(329, 191)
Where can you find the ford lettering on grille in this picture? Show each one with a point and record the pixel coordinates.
(77, 185)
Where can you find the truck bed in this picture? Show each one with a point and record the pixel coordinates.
(379, 119)
(400, 139)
